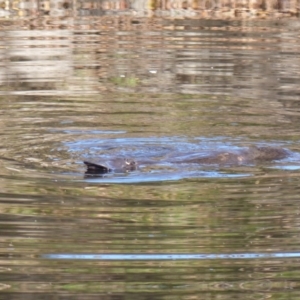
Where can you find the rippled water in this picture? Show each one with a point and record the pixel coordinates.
(79, 88)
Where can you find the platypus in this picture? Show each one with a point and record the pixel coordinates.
(243, 156)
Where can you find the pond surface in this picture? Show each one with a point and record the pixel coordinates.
(77, 88)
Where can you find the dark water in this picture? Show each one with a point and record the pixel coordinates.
(78, 88)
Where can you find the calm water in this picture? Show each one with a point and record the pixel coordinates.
(108, 86)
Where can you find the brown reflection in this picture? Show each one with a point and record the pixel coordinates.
(144, 55)
(173, 8)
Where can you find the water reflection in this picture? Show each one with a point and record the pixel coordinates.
(135, 257)
(168, 8)
(253, 59)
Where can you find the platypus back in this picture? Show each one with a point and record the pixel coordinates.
(267, 153)
(244, 156)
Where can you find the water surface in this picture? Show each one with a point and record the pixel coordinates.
(75, 88)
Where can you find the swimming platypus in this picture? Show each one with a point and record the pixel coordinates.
(243, 156)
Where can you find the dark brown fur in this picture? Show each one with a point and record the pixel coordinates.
(251, 155)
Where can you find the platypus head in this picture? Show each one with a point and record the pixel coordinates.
(119, 165)
(129, 165)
